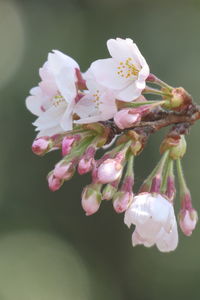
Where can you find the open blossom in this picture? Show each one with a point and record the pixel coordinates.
(98, 104)
(155, 222)
(125, 72)
(54, 98)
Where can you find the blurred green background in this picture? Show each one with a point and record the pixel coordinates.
(49, 250)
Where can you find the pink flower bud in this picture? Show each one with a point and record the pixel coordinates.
(63, 170)
(126, 118)
(41, 145)
(188, 220)
(87, 161)
(54, 182)
(109, 171)
(122, 201)
(91, 199)
(109, 190)
(85, 166)
(67, 144)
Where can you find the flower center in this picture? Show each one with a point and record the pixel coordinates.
(96, 99)
(58, 99)
(127, 69)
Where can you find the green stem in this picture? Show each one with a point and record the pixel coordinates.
(156, 171)
(149, 90)
(167, 172)
(79, 149)
(159, 168)
(129, 170)
(163, 84)
(138, 104)
(181, 178)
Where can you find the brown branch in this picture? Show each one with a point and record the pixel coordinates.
(159, 119)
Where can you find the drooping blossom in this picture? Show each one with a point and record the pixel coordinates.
(98, 104)
(125, 72)
(155, 222)
(52, 101)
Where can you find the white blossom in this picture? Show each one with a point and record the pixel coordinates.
(125, 72)
(54, 98)
(154, 220)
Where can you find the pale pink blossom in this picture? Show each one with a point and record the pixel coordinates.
(52, 101)
(98, 104)
(125, 72)
(153, 216)
(109, 171)
(187, 220)
(125, 118)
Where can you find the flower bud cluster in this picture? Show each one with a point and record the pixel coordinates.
(79, 113)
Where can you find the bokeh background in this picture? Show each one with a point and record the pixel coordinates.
(48, 249)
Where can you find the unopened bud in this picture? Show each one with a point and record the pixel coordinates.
(91, 199)
(109, 171)
(177, 146)
(108, 192)
(67, 145)
(179, 150)
(41, 145)
(122, 200)
(126, 118)
(87, 161)
(54, 182)
(179, 100)
(64, 170)
(187, 220)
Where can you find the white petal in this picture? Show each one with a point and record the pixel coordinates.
(105, 72)
(35, 102)
(65, 81)
(129, 93)
(138, 240)
(168, 241)
(58, 60)
(85, 107)
(51, 117)
(50, 131)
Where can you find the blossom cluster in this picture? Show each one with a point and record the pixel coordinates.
(79, 113)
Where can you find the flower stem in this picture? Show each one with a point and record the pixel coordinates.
(161, 83)
(183, 186)
(157, 171)
(149, 90)
(167, 172)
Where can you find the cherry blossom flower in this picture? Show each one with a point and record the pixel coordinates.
(54, 98)
(98, 104)
(155, 222)
(125, 72)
